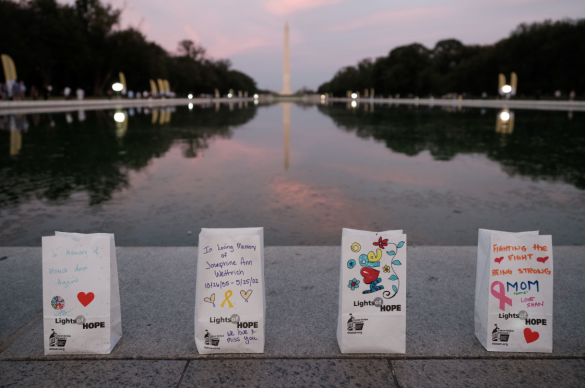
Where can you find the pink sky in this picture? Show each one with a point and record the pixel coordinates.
(327, 34)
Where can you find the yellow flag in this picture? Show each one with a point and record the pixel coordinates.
(153, 89)
(123, 81)
(9, 68)
(501, 81)
(514, 82)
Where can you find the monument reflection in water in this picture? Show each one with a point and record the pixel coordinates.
(303, 171)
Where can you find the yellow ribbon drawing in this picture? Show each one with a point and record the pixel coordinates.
(228, 295)
(376, 257)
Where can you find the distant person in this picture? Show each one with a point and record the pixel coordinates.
(34, 93)
(16, 91)
(130, 94)
(9, 85)
(109, 94)
(80, 93)
(572, 95)
(67, 92)
(22, 89)
(3, 91)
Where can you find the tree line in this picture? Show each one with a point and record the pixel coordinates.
(547, 56)
(82, 45)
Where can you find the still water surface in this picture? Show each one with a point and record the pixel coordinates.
(301, 171)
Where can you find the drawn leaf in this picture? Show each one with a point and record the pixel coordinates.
(395, 288)
(400, 244)
(391, 253)
(396, 262)
(393, 277)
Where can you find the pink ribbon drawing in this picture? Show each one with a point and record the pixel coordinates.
(501, 295)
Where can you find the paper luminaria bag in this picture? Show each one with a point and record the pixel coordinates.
(514, 291)
(81, 296)
(230, 307)
(372, 292)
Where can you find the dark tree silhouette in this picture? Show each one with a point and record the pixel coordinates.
(547, 56)
(82, 45)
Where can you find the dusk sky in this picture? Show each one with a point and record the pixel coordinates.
(327, 34)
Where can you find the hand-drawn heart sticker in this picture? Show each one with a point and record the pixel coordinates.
(499, 259)
(542, 259)
(85, 299)
(370, 275)
(246, 294)
(211, 299)
(530, 336)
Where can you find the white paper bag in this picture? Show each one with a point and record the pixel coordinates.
(372, 292)
(81, 296)
(514, 291)
(229, 299)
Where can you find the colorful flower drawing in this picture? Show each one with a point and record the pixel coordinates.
(58, 303)
(353, 284)
(391, 269)
(381, 243)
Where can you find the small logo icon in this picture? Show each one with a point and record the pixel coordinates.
(58, 303)
(57, 340)
(499, 335)
(354, 324)
(211, 340)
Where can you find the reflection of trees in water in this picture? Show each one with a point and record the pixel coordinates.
(544, 145)
(57, 160)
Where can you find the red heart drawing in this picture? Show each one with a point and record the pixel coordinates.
(85, 299)
(530, 335)
(370, 275)
(499, 259)
(542, 259)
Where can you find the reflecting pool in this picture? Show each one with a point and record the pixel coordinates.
(154, 177)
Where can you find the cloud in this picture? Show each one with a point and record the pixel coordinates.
(415, 15)
(286, 7)
(221, 45)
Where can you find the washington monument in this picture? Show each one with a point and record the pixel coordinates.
(286, 69)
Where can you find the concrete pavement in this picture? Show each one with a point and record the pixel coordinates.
(473, 103)
(55, 106)
(157, 287)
